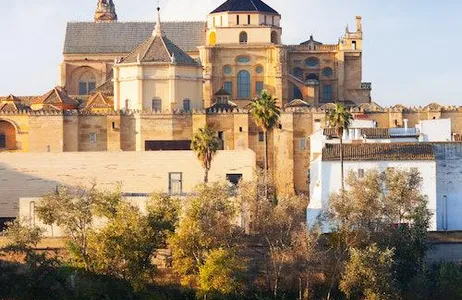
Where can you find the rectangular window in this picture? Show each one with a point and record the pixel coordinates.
(92, 138)
(2, 141)
(221, 20)
(261, 136)
(248, 19)
(220, 135)
(175, 183)
(303, 144)
(327, 92)
(229, 87)
(237, 19)
(156, 104)
(214, 22)
(272, 20)
(259, 87)
(186, 105)
(91, 86)
(360, 173)
(265, 20)
(353, 45)
(83, 88)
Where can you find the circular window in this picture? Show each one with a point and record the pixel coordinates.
(243, 59)
(227, 70)
(259, 70)
(312, 62)
(327, 72)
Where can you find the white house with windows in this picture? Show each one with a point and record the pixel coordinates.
(427, 148)
(325, 170)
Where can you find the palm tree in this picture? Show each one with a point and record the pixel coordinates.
(205, 144)
(266, 115)
(340, 119)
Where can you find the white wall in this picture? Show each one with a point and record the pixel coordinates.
(25, 175)
(326, 180)
(435, 130)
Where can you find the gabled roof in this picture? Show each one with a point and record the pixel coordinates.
(222, 92)
(123, 37)
(297, 103)
(229, 106)
(245, 6)
(99, 100)
(56, 97)
(379, 152)
(161, 50)
(311, 41)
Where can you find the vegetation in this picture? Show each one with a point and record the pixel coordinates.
(340, 119)
(265, 114)
(228, 244)
(205, 144)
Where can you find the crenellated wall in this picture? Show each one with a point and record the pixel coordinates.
(289, 153)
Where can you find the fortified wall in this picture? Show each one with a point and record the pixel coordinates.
(289, 153)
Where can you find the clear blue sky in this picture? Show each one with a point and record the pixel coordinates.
(411, 48)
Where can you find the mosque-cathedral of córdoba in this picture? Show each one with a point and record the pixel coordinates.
(139, 86)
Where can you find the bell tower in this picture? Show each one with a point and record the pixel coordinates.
(105, 12)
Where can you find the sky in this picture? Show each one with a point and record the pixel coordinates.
(410, 52)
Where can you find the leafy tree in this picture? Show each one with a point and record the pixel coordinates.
(221, 274)
(266, 115)
(383, 208)
(163, 215)
(124, 246)
(74, 211)
(205, 144)
(340, 119)
(22, 236)
(369, 274)
(208, 223)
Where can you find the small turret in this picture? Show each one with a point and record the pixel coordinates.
(105, 12)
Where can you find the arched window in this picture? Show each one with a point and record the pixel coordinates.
(87, 83)
(243, 85)
(186, 105)
(212, 38)
(7, 136)
(298, 73)
(274, 37)
(243, 37)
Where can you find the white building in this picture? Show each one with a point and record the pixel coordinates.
(366, 148)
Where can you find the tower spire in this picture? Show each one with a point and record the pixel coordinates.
(105, 12)
(158, 28)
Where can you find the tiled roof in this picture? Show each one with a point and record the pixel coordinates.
(105, 88)
(245, 5)
(99, 100)
(379, 152)
(222, 92)
(120, 37)
(56, 96)
(298, 103)
(159, 49)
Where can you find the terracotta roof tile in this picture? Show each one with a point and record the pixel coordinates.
(379, 152)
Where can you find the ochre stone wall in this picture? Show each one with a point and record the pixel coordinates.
(115, 132)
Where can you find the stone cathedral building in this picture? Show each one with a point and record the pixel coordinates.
(141, 86)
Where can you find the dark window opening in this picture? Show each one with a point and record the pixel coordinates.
(354, 45)
(234, 179)
(240, 129)
(113, 125)
(248, 19)
(175, 183)
(180, 145)
(243, 37)
(261, 136)
(312, 76)
(237, 19)
(2, 141)
(220, 135)
(156, 104)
